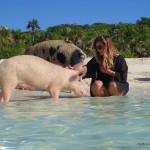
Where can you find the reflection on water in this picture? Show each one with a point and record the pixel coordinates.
(111, 123)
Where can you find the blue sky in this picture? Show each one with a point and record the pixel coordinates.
(16, 14)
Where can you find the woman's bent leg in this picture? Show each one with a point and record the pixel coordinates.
(113, 89)
(98, 89)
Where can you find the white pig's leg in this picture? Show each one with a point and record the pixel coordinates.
(6, 92)
(0, 95)
(54, 93)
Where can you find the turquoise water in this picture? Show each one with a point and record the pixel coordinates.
(113, 123)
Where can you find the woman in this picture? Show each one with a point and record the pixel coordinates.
(107, 69)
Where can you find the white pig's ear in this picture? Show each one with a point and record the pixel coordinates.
(74, 76)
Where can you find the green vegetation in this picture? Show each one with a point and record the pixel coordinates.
(132, 40)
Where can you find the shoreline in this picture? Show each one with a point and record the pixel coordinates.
(138, 78)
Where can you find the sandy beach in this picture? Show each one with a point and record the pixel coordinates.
(138, 78)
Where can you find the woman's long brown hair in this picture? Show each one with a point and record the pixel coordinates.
(109, 51)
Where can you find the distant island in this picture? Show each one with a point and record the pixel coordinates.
(132, 40)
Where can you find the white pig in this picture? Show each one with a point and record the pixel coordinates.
(37, 72)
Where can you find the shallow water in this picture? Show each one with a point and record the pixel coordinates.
(113, 123)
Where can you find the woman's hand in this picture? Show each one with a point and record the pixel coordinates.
(107, 71)
(103, 69)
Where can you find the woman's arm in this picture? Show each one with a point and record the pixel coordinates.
(120, 71)
(86, 71)
(82, 69)
(108, 71)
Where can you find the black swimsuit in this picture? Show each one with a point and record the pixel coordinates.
(120, 67)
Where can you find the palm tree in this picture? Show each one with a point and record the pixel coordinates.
(33, 26)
